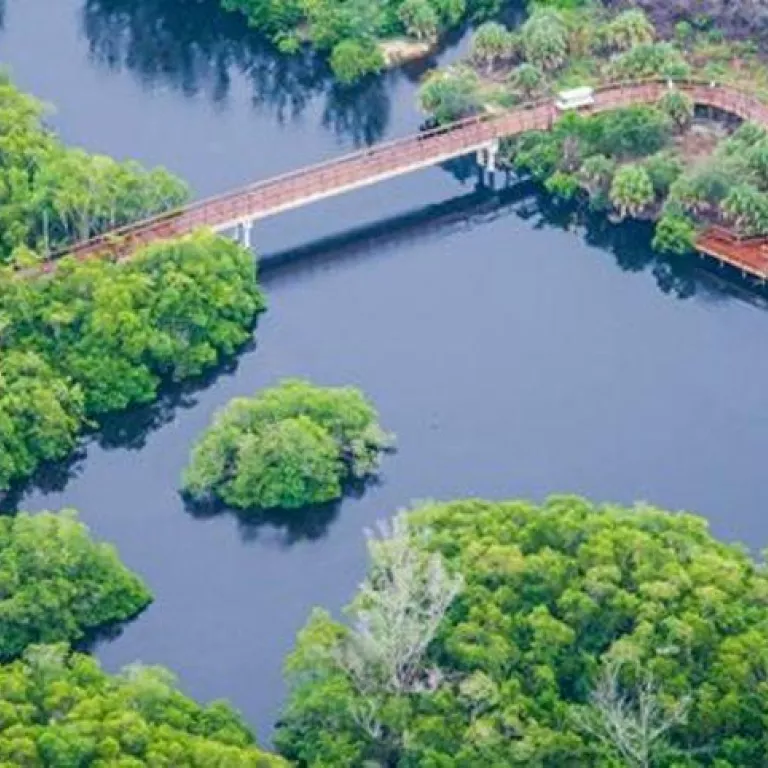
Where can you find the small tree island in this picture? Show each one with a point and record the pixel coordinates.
(290, 446)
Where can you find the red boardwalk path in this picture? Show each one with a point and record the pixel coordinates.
(387, 160)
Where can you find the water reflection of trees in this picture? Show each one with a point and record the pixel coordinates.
(628, 242)
(285, 527)
(196, 48)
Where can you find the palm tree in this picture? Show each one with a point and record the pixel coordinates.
(490, 43)
(631, 190)
(629, 29)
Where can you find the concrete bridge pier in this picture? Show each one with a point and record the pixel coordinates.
(243, 233)
(487, 157)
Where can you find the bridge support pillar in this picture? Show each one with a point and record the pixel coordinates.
(244, 233)
(487, 156)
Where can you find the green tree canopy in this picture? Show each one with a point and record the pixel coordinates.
(746, 207)
(675, 234)
(352, 59)
(52, 195)
(628, 29)
(98, 336)
(678, 106)
(56, 584)
(650, 60)
(60, 709)
(289, 446)
(555, 599)
(419, 18)
(490, 42)
(526, 78)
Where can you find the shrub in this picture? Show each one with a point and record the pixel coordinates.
(450, 94)
(678, 106)
(419, 19)
(675, 234)
(628, 30)
(563, 185)
(545, 39)
(526, 78)
(490, 42)
(651, 59)
(631, 190)
(663, 168)
(353, 59)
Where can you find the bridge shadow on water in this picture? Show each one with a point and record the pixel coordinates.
(628, 244)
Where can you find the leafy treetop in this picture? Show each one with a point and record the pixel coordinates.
(56, 584)
(60, 709)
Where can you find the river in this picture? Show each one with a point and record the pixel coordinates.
(513, 351)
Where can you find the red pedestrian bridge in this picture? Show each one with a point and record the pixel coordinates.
(481, 134)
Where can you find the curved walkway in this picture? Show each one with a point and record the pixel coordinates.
(394, 158)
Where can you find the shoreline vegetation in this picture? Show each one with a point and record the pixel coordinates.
(97, 337)
(52, 195)
(660, 162)
(360, 37)
(486, 632)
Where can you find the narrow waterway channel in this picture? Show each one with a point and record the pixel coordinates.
(513, 354)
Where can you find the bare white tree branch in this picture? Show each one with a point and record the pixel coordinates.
(396, 614)
(633, 722)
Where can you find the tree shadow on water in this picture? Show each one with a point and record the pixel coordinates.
(195, 48)
(93, 638)
(629, 243)
(48, 478)
(285, 527)
(129, 429)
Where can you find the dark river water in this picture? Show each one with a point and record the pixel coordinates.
(513, 352)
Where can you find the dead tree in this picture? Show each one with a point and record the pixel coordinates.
(632, 720)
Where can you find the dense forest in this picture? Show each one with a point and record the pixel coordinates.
(57, 707)
(567, 634)
(52, 195)
(99, 336)
(486, 633)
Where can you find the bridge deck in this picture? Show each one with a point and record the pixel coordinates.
(412, 153)
(750, 255)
